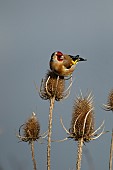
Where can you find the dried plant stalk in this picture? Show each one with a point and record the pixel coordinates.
(79, 154)
(52, 88)
(33, 155)
(52, 100)
(30, 133)
(82, 124)
(111, 152)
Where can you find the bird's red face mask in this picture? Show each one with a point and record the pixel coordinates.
(60, 56)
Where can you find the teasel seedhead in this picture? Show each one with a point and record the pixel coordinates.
(109, 105)
(82, 123)
(30, 130)
(54, 86)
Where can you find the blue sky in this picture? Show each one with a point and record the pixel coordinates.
(29, 32)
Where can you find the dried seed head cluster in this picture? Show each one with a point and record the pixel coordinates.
(52, 86)
(109, 105)
(82, 124)
(30, 130)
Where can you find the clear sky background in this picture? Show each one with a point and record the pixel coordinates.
(29, 32)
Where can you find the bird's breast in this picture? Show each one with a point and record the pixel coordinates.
(60, 69)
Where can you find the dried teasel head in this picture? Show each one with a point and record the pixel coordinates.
(82, 124)
(53, 86)
(109, 105)
(30, 130)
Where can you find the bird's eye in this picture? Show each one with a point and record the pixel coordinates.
(60, 58)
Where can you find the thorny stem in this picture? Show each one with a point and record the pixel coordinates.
(52, 101)
(33, 155)
(79, 154)
(111, 153)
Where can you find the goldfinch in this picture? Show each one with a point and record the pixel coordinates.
(64, 64)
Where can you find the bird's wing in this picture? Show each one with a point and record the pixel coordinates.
(67, 62)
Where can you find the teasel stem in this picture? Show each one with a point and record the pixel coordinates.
(79, 153)
(52, 101)
(111, 152)
(33, 155)
(30, 132)
(53, 89)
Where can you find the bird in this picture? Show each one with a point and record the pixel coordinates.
(63, 64)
